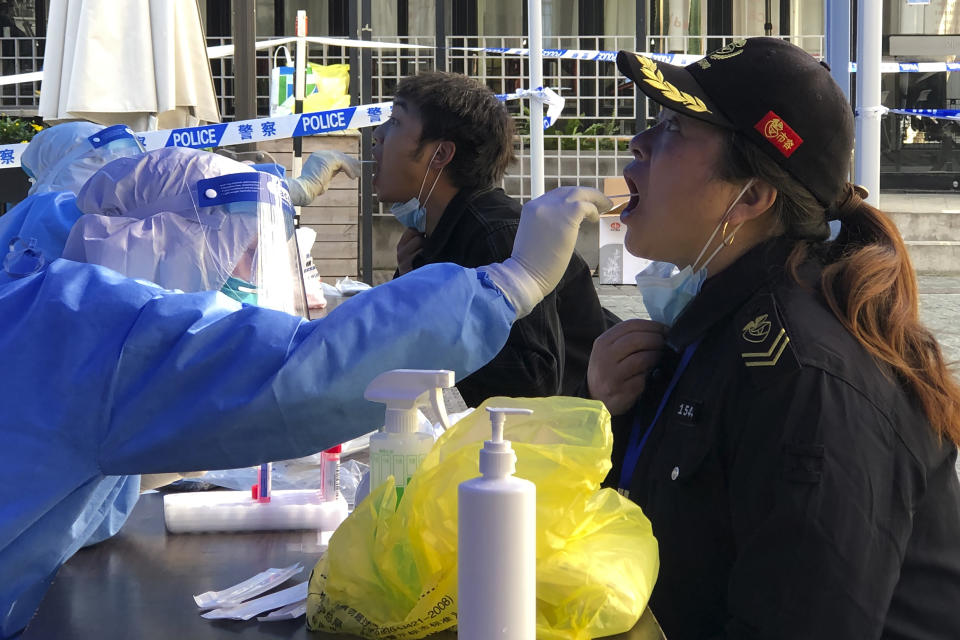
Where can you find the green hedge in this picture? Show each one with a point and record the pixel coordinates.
(15, 130)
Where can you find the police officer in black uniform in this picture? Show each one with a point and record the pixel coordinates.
(788, 426)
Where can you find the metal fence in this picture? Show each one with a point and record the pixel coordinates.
(20, 55)
(585, 146)
(589, 141)
(389, 66)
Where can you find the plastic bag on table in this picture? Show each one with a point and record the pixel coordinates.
(311, 280)
(348, 286)
(390, 570)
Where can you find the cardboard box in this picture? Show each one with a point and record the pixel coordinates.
(616, 265)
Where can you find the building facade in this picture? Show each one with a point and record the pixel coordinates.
(601, 112)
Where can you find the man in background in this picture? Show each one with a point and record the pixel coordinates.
(439, 159)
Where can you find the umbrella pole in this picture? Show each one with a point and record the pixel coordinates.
(837, 40)
(299, 88)
(244, 62)
(535, 44)
(867, 152)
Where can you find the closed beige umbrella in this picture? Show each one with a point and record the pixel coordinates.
(140, 63)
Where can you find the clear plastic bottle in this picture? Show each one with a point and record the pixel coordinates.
(497, 545)
(399, 449)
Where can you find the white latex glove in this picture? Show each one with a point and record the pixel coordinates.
(317, 173)
(545, 239)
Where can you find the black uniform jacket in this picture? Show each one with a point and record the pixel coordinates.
(795, 489)
(547, 352)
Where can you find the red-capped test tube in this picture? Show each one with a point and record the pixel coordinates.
(330, 473)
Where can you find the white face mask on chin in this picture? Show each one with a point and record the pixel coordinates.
(666, 292)
(411, 213)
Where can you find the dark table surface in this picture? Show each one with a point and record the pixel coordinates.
(140, 584)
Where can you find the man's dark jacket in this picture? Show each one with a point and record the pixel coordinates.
(547, 351)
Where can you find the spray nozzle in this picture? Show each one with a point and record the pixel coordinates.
(404, 390)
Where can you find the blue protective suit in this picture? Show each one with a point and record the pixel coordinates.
(60, 160)
(62, 157)
(42, 158)
(46, 217)
(106, 377)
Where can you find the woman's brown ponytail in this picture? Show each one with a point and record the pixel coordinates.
(868, 280)
(870, 285)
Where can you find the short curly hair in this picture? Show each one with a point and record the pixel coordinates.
(464, 111)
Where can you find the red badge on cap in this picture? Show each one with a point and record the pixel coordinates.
(773, 128)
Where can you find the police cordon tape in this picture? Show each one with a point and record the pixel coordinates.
(597, 55)
(291, 126)
(683, 59)
(937, 114)
(913, 67)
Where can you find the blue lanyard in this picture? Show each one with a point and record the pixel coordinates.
(635, 447)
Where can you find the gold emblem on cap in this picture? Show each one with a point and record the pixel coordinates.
(774, 131)
(655, 79)
(729, 50)
(773, 128)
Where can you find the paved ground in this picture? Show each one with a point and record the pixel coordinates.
(914, 202)
(939, 309)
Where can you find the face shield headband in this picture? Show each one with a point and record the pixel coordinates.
(71, 171)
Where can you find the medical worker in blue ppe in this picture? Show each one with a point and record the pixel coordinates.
(58, 161)
(117, 377)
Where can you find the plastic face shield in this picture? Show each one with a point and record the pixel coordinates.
(262, 267)
(69, 174)
(233, 233)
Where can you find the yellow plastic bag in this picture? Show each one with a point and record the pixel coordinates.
(333, 88)
(326, 87)
(391, 569)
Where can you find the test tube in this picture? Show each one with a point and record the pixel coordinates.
(263, 482)
(330, 473)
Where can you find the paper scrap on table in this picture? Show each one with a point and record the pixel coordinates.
(252, 608)
(290, 612)
(232, 596)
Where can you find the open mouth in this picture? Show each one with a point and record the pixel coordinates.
(634, 198)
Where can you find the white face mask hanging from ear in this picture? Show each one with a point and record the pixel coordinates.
(412, 213)
(666, 292)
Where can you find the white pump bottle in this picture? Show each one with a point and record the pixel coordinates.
(497, 545)
(399, 449)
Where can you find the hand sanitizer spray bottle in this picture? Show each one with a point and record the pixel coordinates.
(497, 546)
(399, 449)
